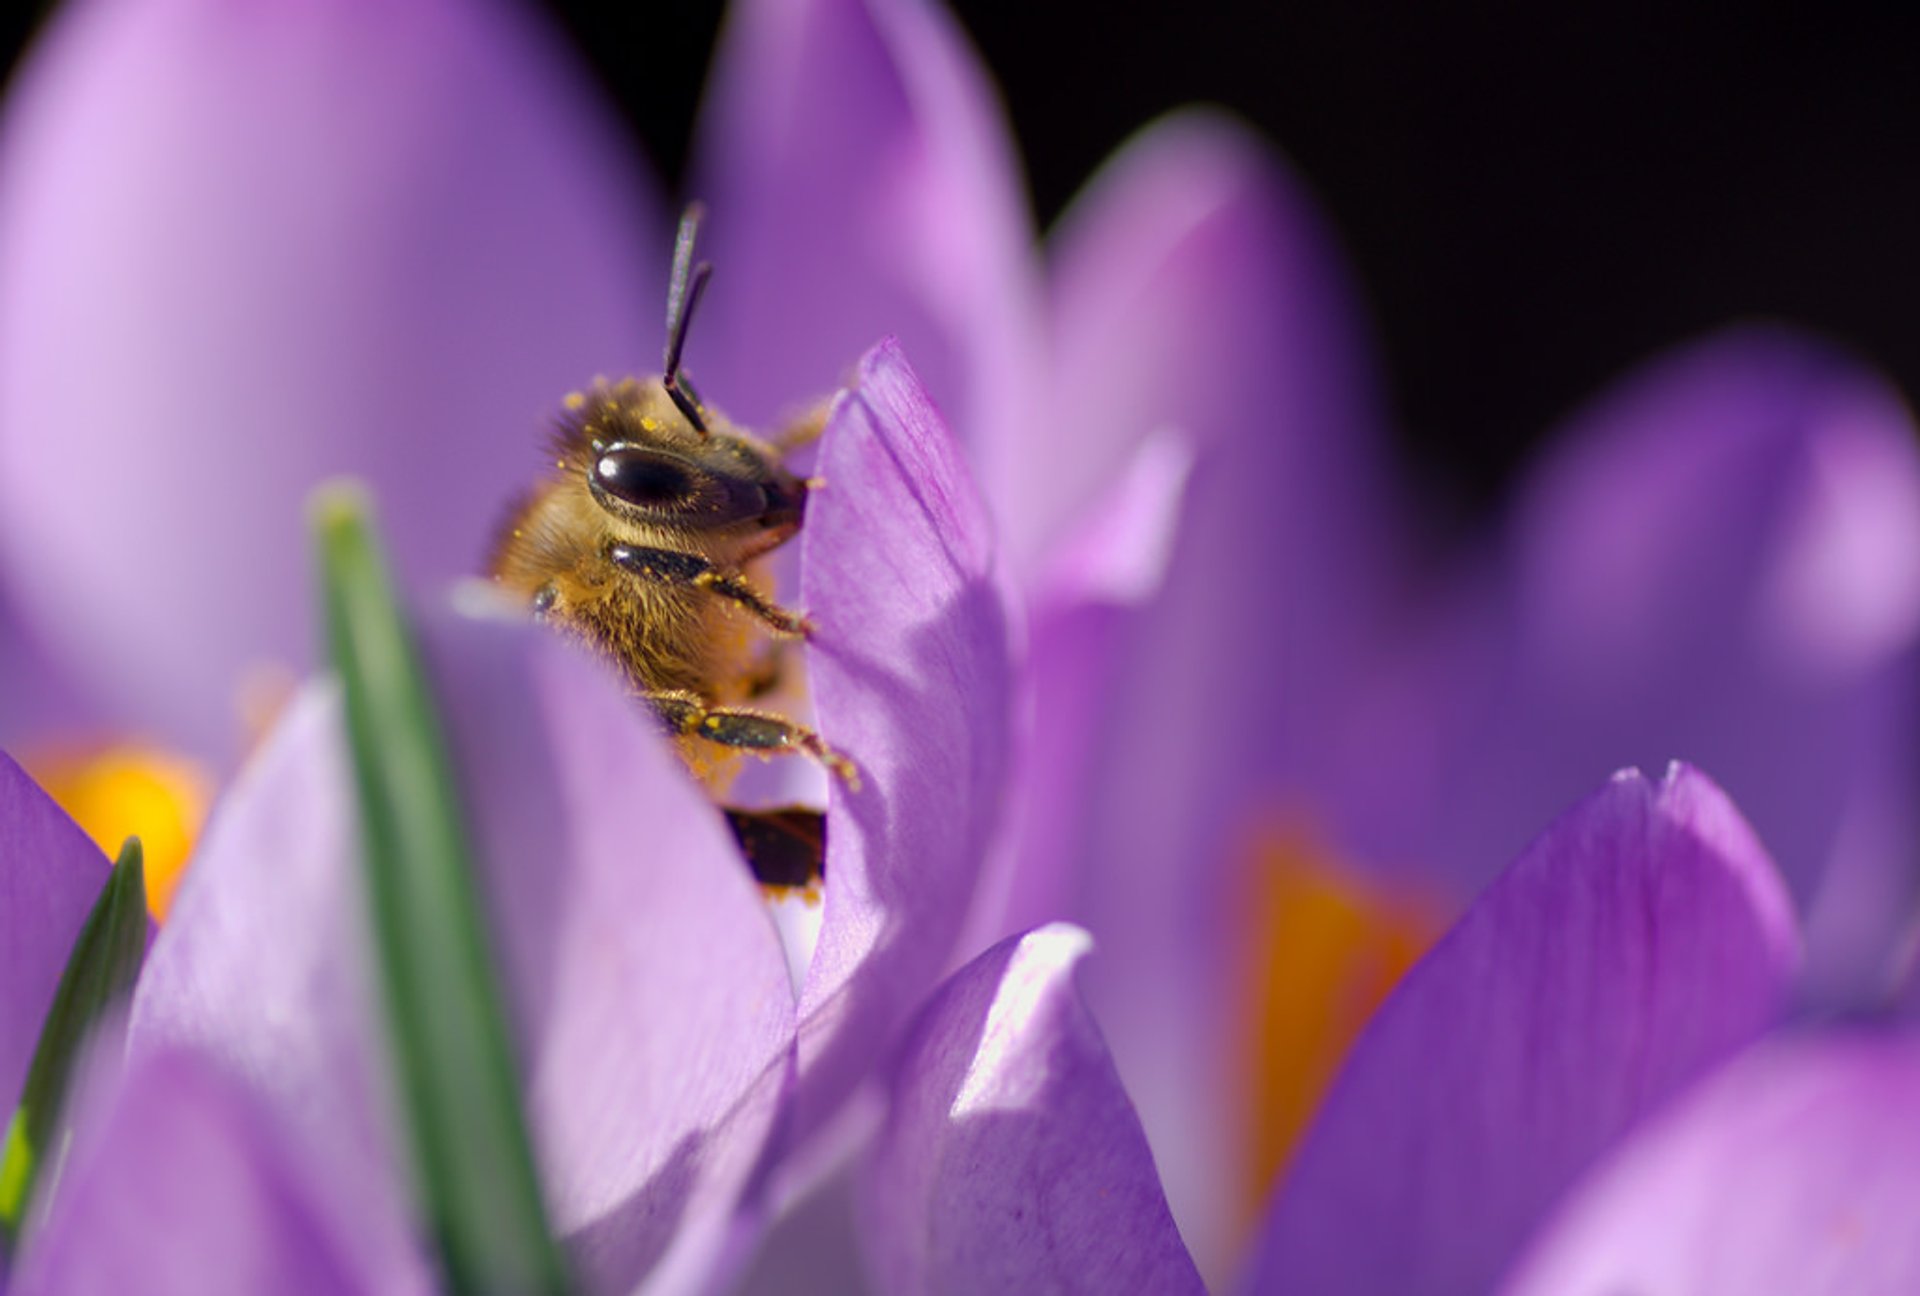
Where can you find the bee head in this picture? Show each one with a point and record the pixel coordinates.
(673, 462)
(718, 482)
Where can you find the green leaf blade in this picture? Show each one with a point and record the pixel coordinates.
(472, 1154)
(100, 972)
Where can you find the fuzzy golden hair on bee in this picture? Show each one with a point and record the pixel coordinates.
(642, 540)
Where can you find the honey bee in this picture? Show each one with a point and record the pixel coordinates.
(641, 542)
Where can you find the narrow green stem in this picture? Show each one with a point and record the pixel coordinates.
(450, 1044)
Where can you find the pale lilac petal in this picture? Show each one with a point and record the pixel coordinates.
(861, 183)
(1717, 564)
(247, 249)
(1196, 289)
(265, 966)
(1643, 938)
(37, 695)
(650, 994)
(910, 676)
(650, 988)
(181, 1186)
(1082, 618)
(1796, 1168)
(1011, 1159)
(1195, 285)
(817, 1237)
(50, 875)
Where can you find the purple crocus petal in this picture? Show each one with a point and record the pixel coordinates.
(652, 1001)
(264, 965)
(649, 985)
(1011, 1159)
(1716, 564)
(1194, 285)
(1796, 1168)
(910, 676)
(37, 696)
(249, 249)
(1195, 289)
(861, 183)
(816, 1235)
(1082, 615)
(1644, 937)
(179, 1183)
(50, 875)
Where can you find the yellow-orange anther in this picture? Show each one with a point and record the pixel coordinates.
(1328, 944)
(122, 790)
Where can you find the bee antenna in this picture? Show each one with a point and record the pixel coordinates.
(683, 294)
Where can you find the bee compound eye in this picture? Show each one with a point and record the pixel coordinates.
(641, 478)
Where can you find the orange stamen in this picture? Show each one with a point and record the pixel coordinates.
(1327, 945)
(120, 790)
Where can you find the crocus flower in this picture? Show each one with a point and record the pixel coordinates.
(1587, 1087)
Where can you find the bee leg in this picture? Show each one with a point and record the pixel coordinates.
(687, 715)
(668, 567)
(788, 625)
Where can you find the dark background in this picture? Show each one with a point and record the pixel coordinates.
(1534, 196)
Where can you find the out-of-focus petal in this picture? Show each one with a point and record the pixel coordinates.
(50, 875)
(1715, 564)
(1796, 1168)
(861, 183)
(1195, 288)
(179, 1184)
(1082, 616)
(37, 696)
(1194, 285)
(910, 675)
(246, 250)
(1643, 938)
(1011, 1159)
(651, 999)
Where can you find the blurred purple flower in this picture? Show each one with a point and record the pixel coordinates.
(245, 251)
